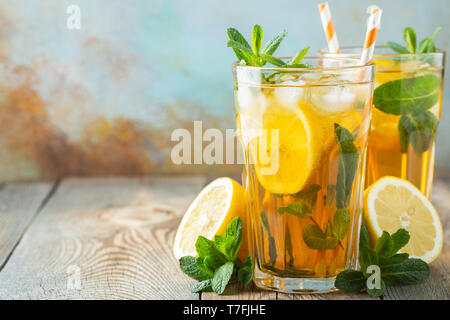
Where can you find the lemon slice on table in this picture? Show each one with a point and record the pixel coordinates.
(209, 214)
(300, 143)
(392, 203)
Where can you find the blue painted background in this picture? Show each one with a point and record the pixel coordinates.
(157, 61)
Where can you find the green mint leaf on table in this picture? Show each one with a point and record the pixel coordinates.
(221, 277)
(400, 239)
(367, 257)
(411, 271)
(189, 267)
(350, 281)
(245, 273)
(297, 208)
(398, 96)
(409, 35)
(418, 128)
(206, 248)
(396, 47)
(316, 239)
(396, 268)
(202, 285)
(396, 259)
(384, 246)
(217, 260)
(347, 165)
(377, 292)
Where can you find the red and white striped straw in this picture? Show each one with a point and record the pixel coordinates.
(328, 28)
(373, 25)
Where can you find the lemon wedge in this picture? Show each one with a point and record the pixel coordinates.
(209, 214)
(392, 203)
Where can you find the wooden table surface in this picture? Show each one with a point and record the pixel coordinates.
(117, 233)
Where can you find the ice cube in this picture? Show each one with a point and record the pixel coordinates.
(250, 98)
(333, 98)
(291, 94)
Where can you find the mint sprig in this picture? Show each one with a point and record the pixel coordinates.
(409, 35)
(255, 56)
(396, 268)
(411, 98)
(217, 261)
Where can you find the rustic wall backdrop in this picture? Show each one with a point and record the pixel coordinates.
(104, 99)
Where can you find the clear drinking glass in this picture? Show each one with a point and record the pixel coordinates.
(402, 135)
(304, 135)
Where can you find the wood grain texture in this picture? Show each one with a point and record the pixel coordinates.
(19, 203)
(437, 286)
(117, 233)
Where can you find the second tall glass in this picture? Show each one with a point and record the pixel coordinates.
(407, 109)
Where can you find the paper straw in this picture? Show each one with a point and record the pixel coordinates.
(373, 25)
(328, 28)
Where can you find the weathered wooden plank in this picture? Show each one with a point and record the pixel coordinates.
(115, 234)
(236, 291)
(437, 286)
(19, 203)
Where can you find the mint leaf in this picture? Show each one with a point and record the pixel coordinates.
(201, 286)
(272, 246)
(367, 257)
(374, 293)
(347, 165)
(275, 61)
(396, 47)
(206, 248)
(299, 57)
(288, 246)
(273, 44)
(418, 128)
(246, 53)
(245, 273)
(309, 195)
(395, 259)
(221, 277)
(412, 271)
(230, 243)
(235, 35)
(350, 281)
(384, 246)
(238, 45)
(316, 239)
(206, 265)
(427, 44)
(257, 39)
(364, 238)
(400, 238)
(410, 38)
(341, 223)
(189, 267)
(297, 208)
(398, 96)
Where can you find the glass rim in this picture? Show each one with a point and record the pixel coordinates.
(379, 55)
(369, 65)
